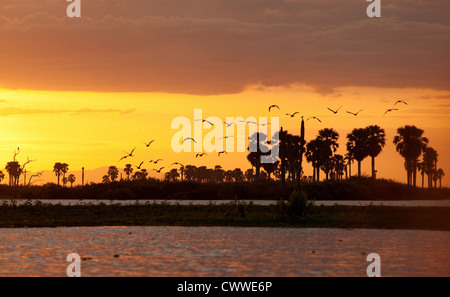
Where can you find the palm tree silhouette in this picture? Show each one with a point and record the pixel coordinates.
(71, 179)
(14, 172)
(128, 170)
(313, 156)
(430, 157)
(440, 174)
(113, 173)
(421, 169)
(410, 143)
(57, 169)
(329, 144)
(375, 142)
(357, 145)
(2, 176)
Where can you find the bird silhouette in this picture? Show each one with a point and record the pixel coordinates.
(228, 124)
(128, 155)
(155, 161)
(273, 106)
(206, 121)
(334, 111)
(389, 110)
(148, 144)
(355, 114)
(189, 138)
(292, 115)
(159, 170)
(223, 152)
(249, 122)
(176, 163)
(139, 167)
(400, 101)
(316, 118)
(201, 155)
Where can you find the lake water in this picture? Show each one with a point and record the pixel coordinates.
(194, 251)
(406, 203)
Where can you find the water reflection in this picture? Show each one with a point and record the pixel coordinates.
(178, 251)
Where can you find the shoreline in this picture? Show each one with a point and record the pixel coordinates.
(225, 215)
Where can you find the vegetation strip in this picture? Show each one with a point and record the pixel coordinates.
(235, 213)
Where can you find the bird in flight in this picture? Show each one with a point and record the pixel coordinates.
(292, 115)
(334, 111)
(400, 101)
(228, 124)
(128, 155)
(159, 170)
(249, 122)
(231, 136)
(176, 163)
(148, 144)
(355, 114)
(273, 106)
(223, 152)
(206, 121)
(139, 167)
(190, 139)
(316, 118)
(389, 110)
(155, 161)
(200, 155)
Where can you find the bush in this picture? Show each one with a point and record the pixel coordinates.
(298, 204)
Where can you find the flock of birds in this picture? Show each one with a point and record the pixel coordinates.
(337, 110)
(199, 155)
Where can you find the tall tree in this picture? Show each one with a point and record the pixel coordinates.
(128, 170)
(430, 156)
(357, 145)
(71, 179)
(409, 143)
(440, 174)
(375, 142)
(57, 169)
(113, 173)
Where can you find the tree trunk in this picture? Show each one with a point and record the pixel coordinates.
(314, 173)
(423, 177)
(350, 169)
(318, 173)
(359, 168)
(414, 172)
(373, 168)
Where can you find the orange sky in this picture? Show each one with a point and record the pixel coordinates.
(82, 91)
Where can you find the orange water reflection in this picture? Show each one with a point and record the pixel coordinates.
(178, 251)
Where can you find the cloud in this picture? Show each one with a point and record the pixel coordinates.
(223, 46)
(9, 111)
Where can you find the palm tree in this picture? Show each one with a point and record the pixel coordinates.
(375, 142)
(113, 173)
(128, 170)
(349, 160)
(64, 169)
(410, 143)
(329, 145)
(71, 179)
(421, 169)
(312, 156)
(440, 174)
(14, 172)
(64, 181)
(430, 156)
(357, 145)
(2, 176)
(57, 169)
